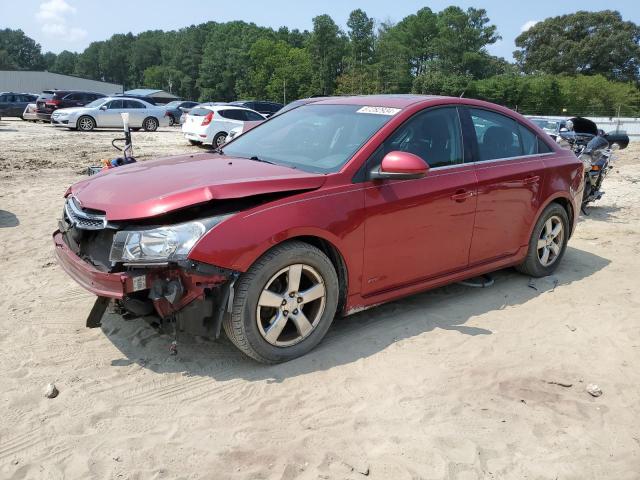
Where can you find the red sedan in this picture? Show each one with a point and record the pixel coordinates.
(326, 210)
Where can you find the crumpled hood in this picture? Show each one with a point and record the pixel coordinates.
(151, 188)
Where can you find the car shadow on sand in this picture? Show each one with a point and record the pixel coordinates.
(8, 219)
(352, 338)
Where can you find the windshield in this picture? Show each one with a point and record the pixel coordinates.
(315, 138)
(96, 103)
(545, 124)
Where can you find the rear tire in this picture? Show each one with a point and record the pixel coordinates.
(150, 124)
(219, 139)
(301, 298)
(85, 123)
(172, 121)
(548, 242)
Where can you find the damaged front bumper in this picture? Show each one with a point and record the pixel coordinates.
(193, 295)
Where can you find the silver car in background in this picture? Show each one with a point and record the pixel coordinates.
(105, 113)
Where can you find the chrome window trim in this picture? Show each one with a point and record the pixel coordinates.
(495, 160)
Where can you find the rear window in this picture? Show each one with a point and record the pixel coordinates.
(46, 95)
(60, 95)
(199, 112)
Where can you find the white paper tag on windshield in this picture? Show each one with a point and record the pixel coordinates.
(379, 110)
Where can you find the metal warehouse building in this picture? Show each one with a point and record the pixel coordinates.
(36, 82)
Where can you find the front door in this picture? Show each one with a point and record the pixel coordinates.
(110, 117)
(510, 173)
(420, 229)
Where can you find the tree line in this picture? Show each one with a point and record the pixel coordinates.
(582, 63)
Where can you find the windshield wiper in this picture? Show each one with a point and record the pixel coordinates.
(258, 159)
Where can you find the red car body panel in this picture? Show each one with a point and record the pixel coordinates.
(139, 191)
(394, 237)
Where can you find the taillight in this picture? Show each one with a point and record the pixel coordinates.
(53, 101)
(207, 119)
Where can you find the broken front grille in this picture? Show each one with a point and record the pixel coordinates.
(80, 218)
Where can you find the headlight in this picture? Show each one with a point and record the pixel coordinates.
(161, 244)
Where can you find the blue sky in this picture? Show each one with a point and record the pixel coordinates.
(73, 24)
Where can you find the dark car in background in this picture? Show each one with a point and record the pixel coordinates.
(265, 108)
(175, 109)
(51, 100)
(617, 137)
(13, 104)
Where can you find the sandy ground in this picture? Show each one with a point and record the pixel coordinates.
(457, 383)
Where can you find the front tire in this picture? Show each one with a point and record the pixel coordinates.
(284, 304)
(548, 242)
(86, 124)
(150, 124)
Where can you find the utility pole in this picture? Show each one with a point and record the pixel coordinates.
(284, 91)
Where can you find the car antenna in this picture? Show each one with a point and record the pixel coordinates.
(462, 94)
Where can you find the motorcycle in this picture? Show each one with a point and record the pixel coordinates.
(597, 157)
(589, 144)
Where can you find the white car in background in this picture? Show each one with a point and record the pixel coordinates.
(105, 113)
(210, 124)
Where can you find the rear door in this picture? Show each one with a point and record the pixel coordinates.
(510, 174)
(230, 118)
(420, 229)
(137, 112)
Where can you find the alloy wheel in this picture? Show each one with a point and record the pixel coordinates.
(291, 305)
(86, 123)
(550, 241)
(220, 139)
(150, 124)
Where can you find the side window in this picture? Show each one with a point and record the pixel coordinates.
(543, 147)
(233, 114)
(497, 135)
(252, 116)
(529, 140)
(73, 96)
(132, 104)
(115, 104)
(433, 135)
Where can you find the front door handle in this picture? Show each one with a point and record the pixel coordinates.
(531, 179)
(461, 196)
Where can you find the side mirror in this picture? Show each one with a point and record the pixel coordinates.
(400, 166)
(564, 129)
(103, 107)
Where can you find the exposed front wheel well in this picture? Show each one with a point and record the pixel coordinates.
(336, 259)
(566, 204)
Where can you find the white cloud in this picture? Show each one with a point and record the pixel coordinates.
(53, 17)
(528, 25)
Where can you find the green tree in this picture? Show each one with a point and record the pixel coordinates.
(327, 48)
(586, 43)
(22, 52)
(361, 37)
(279, 72)
(88, 64)
(65, 62)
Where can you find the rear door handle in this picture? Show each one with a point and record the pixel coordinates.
(531, 179)
(461, 196)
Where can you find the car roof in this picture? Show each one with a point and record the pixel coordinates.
(390, 100)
